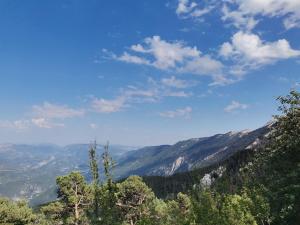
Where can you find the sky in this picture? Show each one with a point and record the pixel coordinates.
(143, 72)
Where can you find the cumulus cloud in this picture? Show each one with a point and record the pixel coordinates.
(185, 6)
(235, 106)
(191, 9)
(238, 19)
(243, 12)
(171, 56)
(249, 51)
(184, 112)
(166, 55)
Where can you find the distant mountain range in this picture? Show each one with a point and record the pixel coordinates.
(29, 171)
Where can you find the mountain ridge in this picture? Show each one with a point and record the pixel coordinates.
(165, 160)
(35, 167)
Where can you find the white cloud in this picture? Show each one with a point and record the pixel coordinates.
(238, 19)
(185, 113)
(127, 96)
(185, 6)
(152, 91)
(52, 111)
(203, 66)
(45, 115)
(201, 12)
(166, 55)
(190, 9)
(45, 123)
(235, 106)
(108, 106)
(246, 10)
(244, 14)
(250, 52)
(177, 83)
(126, 57)
(171, 56)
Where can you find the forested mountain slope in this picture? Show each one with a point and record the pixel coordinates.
(186, 155)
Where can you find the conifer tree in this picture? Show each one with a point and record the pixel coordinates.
(96, 180)
(74, 192)
(108, 190)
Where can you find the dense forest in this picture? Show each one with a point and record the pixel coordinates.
(255, 187)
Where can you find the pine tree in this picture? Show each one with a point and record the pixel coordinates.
(133, 199)
(75, 194)
(96, 181)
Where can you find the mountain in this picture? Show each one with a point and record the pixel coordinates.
(29, 171)
(165, 160)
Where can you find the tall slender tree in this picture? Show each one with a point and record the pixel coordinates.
(110, 212)
(96, 179)
(108, 164)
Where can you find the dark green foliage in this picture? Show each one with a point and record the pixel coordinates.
(108, 165)
(55, 212)
(277, 166)
(206, 208)
(133, 197)
(236, 210)
(17, 213)
(94, 163)
(75, 195)
(169, 186)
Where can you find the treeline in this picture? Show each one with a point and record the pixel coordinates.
(261, 187)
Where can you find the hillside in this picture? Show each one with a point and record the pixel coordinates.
(186, 155)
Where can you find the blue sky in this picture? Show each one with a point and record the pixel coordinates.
(144, 72)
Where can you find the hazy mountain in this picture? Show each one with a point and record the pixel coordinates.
(29, 171)
(185, 155)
